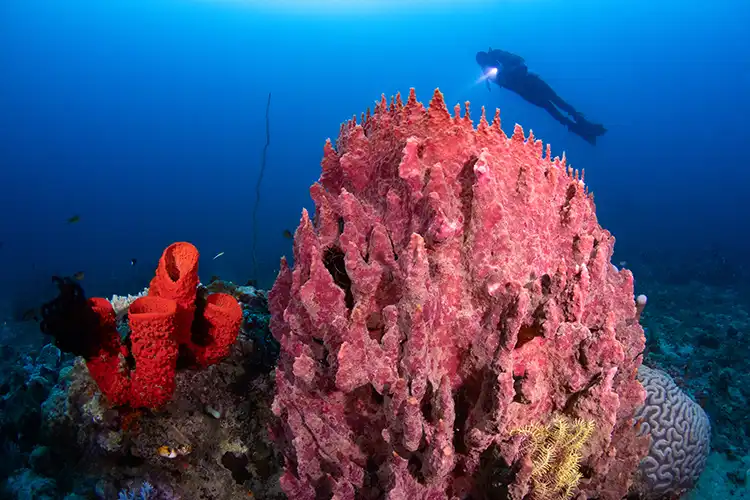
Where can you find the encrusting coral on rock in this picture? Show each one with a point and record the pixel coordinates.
(210, 441)
(454, 285)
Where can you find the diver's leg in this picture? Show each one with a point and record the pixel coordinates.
(534, 90)
(544, 91)
(531, 89)
(562, 104)
(531, 94)
(552, 110)
(581, 126)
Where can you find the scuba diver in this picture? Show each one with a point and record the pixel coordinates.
(509, 71)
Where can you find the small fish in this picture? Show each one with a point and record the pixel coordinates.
(218, 255)
(74, 219)
(214, 278)
(623, 263)
(252, 282)
(288, 234)
(167, 452)
(79, 276)
(133, 262)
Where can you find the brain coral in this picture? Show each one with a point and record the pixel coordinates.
(680, 437)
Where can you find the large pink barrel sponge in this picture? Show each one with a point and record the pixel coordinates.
(453, 288)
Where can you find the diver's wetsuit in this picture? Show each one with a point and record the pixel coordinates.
(513, 75)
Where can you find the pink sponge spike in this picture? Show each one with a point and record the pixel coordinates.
(453, 286)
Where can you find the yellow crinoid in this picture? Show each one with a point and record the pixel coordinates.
(555, 452)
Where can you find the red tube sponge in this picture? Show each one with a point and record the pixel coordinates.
(163, 321)
(155, 349)
(221, 322)
(107, 366)
(176, 279)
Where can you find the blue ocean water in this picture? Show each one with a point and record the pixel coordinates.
(146, 119)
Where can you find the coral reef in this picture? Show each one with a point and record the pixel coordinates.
(145, 492)
(454, 285)
(65, 440)
(452, 328)
(170, 321)
(121, 303)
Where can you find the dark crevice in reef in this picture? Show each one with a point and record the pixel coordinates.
(130, 461)
(371, 480)
(333, 259)
(567, 206)
(237, 465)
(375, 325)
(378, 398)
(527, 333)
(494, 477)
(463, 401)
(321, 352)
(518, 388)
(415, 468)
(466, 178)
(426, 405)
(546, 281)
(594, 250)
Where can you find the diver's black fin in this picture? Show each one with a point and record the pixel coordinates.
(587, 131)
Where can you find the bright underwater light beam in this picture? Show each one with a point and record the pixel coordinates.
(487, 74)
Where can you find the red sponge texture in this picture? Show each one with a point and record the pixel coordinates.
(154, 346)
(160, 323)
